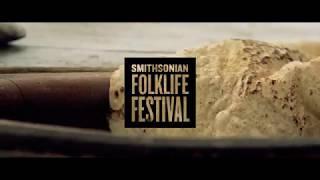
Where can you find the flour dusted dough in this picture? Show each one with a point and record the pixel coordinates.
(311, 48)
(245, 88)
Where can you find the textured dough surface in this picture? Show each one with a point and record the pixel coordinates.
(244, 88)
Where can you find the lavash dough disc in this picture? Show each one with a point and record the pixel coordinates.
(244, 88)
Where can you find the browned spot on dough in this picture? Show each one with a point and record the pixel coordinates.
(276, 52)
(247, 49)
(291, 93)
(284, 106)
(295, 119)
(254, 91)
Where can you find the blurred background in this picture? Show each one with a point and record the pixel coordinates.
(106, 44)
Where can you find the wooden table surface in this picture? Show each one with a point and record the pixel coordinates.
(106, 44)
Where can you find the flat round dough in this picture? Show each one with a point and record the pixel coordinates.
(245, 88)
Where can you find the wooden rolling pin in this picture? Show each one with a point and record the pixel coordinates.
(68, 99)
